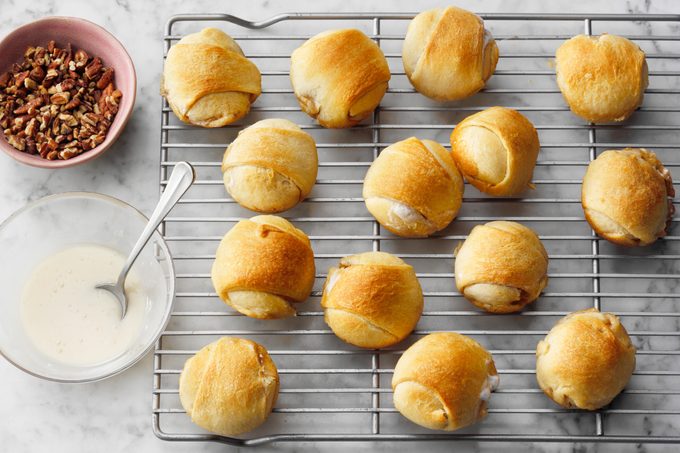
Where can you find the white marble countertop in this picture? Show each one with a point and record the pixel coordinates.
(115, 415)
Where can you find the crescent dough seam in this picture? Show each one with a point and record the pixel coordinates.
(448, 170)
(199, 95)
(348, 265)
(288, 178)
(508, 155)
(375, 326)
(417, 66)
(238, 288)
(444, 407)
(483, 282)
(203, 382)
(363, 318)
(625, 230)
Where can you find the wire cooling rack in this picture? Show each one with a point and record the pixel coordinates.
(332, 391)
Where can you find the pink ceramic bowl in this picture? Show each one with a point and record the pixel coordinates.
(96, 41)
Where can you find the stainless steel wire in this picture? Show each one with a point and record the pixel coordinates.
(333, 392)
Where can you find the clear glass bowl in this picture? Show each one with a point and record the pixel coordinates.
(54, 223)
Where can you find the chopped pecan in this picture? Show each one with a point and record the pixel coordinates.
(29, 107)
(37, 74)
(20, 77)
(73, 103)
(70, 120)
(18, 143)
(106, 78)
(28, 54)
(32, 127)
(31, 147)
(61, 98)
(80, 58)
(39, 56)
(57, 102)
(4, 79)
(30, 83)
(69, 152)
(93, 68)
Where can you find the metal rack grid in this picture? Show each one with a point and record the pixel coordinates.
(332, 391)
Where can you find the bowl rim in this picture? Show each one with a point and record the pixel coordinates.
(170, 290)
(95, 152)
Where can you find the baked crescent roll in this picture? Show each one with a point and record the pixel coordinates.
(501, 267)
(229, 387)
(496, 150)
(208, 81)
(602, 78)
(262, 266)
(271, 166)
(372, 300)
(585, 360)
(339, 77)
(444, 381)
(626, 196)
(448, 54)
(413, 188)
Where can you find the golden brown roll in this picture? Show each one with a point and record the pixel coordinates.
(372, 300)
(585, 360)
(625, 196)
(262, 266)
(444, 381)
(413, 188)
(496, 150)
(501, 267)
(271, 166)
(602, 78)
(339, 77)
(448, 54)
(229, 387)
(208, 81)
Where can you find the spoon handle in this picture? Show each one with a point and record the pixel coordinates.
(182, 177)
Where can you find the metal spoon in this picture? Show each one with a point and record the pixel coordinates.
(180, 180)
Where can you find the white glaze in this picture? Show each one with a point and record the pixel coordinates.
(71, 321)
(405, 214)
(489, 385)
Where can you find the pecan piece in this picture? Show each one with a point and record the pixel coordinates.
(60, 98)
(18, 143)
(66, 85)
(31, 147)
(29, 107)
(20, 77)
(4, 79)
(68, 153)
(73, 103)
(70, 120)
(105, 79)
(31, 128)
(37, 74)
(92, 70)
(91, 118)
(30, 51)
(30, 83)
(80, 58)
